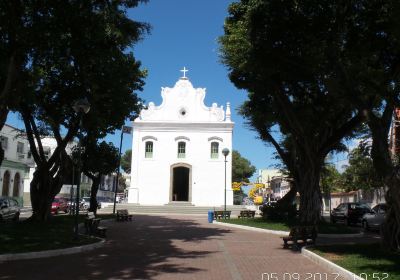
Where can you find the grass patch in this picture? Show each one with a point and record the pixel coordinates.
(32, 236)
(363, 258)
(261, 223)
(323, 227)
(328, 228)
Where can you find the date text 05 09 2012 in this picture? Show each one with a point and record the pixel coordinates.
(298, 276)
(322, 276)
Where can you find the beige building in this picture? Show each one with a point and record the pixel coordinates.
(265, 175)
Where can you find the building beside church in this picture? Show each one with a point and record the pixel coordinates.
(176, 150)
(14, 169)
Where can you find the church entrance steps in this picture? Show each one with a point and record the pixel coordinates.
(179, 203)
(171, 209)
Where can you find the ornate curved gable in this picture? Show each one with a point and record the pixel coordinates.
(183, 103)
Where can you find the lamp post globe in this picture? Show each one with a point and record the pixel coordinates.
(225, 152)
(81, 107)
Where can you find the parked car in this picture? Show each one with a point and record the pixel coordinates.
(375, 218)
(59, 204)
(350, 212)
(9, 209)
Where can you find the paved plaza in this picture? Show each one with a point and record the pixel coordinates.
(174, 247)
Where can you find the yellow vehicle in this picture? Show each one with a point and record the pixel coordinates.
(258, 200)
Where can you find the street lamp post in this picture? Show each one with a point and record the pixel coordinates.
(125, 129)
(81, 107)
(225, 152)
(72, 188)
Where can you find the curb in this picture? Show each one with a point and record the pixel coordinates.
(348, 275)
(52, 253)
(276, 232)
(285, 233)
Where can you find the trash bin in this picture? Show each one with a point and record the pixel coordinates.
(210, 216)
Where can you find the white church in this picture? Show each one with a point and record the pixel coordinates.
(176, 150)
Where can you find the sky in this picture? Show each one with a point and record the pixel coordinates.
(185, 34)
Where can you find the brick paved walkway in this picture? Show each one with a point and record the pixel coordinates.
(173, 247)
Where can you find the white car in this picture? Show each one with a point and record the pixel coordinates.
(375, 218)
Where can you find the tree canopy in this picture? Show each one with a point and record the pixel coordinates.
(75, 50)
(317, 69)
(126, 161)
(286, 69)
(242, 169)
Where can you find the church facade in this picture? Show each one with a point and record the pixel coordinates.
(176, 150)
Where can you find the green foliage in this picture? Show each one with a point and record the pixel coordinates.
(63, 51)
(126, 160)
(98, 158)
(287, 71)
(360, 173)
(242, 169)
(331, 179)
(279, 212)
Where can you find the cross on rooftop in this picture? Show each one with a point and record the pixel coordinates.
(184, 70)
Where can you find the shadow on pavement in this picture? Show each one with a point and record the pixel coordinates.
(141, 249)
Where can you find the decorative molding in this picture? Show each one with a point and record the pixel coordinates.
(149, 138)
(182, 138)
(215, 138)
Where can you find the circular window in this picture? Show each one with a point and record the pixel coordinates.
(182, 112)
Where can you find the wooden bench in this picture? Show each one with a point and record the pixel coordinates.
(222, 215)
(305, 234)
(92, 225)
(247, 214)
(123, 215)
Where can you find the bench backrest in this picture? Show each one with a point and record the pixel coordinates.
(306, 231)
(91, 215)
(122, 212)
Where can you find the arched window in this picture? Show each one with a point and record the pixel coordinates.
(181, 149)
(6, 183)
(16, 185)
(214, 149)
(148, 149)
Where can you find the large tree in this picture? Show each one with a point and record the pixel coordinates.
(366, 60)
(85, 53)
(242, 169)
(280, 52)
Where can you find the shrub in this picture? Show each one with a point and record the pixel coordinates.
(279, 211)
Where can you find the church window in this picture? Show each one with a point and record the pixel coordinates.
(181, 149)
(214, 149)
(149, 149)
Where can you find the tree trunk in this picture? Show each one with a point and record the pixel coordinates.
(390, 174)
(93, 192)
(41, 197)
(45, 186)
(391, 227)
(310, 194)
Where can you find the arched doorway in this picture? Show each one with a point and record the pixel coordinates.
(16, 185)
(6, 183)
(181, 182)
